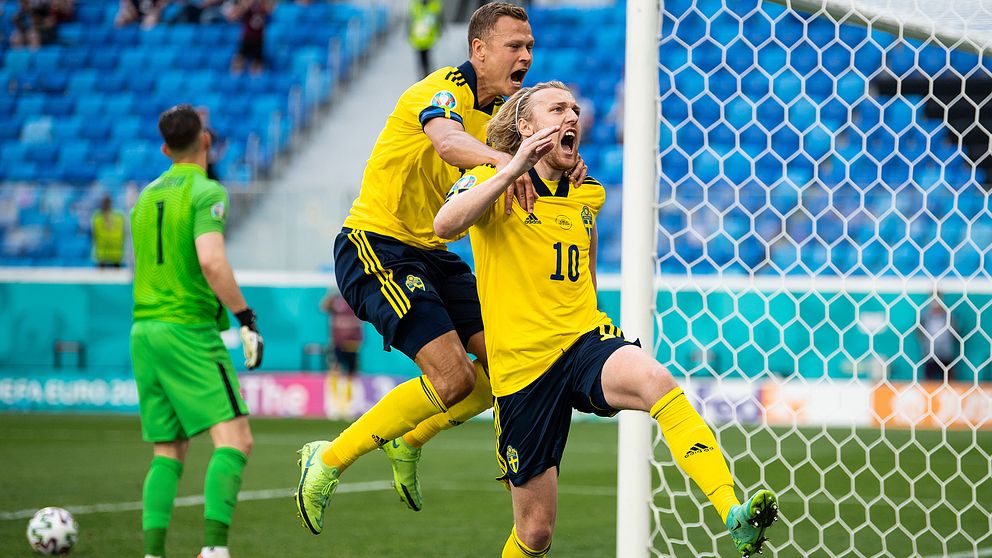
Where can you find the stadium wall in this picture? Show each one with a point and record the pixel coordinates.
(40, 308)
(864, 331)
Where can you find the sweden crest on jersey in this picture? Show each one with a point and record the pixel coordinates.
(414, 282)
(512, 459)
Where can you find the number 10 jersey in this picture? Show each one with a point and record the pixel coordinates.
(537, 293)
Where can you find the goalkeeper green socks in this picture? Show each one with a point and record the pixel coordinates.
(695, 449)
(158, 496)
(220, 493)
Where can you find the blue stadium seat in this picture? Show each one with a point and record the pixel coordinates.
(72, 34)
(18, 61)
(82, 82)
(30, 105)
(90, 14)
(74, 153)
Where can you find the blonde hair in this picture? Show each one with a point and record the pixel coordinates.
(503, 133)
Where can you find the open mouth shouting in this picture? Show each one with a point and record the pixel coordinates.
(517, 78)
(569, 141)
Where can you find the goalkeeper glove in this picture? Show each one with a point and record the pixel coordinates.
(251, 340)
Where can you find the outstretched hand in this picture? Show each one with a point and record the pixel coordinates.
(528, 154)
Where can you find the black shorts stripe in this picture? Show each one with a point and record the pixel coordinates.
(230, 390)
(396, 299)
(385, 275)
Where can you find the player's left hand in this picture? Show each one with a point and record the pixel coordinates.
(577, 174)
(251, 340)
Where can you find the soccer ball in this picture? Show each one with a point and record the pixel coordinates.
(52, 531)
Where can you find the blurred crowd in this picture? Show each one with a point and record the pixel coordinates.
(36, 22)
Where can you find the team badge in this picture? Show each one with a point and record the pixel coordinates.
(512, 459)
(587, 219)
(563, 222)
(217, 211)
(414, 282)
(444, 99)
(464, 183)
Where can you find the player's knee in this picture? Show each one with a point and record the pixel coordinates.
(661, 382)
(536, 534)
(458, 385)
(246, 444)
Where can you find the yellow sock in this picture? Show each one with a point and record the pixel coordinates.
(515, 548)
(479, 400)
(695, 449)
(398, 412)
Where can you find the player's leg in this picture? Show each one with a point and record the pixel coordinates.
(232, 445)
(531, 431)
(158, 494)
(458, 290)
(404, 452)
(203, 388)
(479, 400)
(161, 426)
(535, 506)
(443, 363)
(633, 380)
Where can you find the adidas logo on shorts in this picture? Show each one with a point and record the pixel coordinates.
(697, 448)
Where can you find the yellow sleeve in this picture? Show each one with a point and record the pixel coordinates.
(598, 193)
(438, 97)
(471, 179)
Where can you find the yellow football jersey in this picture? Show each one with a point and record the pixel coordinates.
(533, 275)
(405, 179)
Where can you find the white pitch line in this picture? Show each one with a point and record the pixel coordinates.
(197, 500)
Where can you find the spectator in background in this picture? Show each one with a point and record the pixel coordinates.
(425, 28)
(203, 12)
(218, 144)
(940, 344)
(253, 15)
(346, 339)
(36, 22)
(346, 332)
(107, 228)
(146, 12)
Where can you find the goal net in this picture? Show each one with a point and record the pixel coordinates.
(821, 281)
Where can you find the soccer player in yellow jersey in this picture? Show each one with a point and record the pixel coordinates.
(550, 348)
(397, 274)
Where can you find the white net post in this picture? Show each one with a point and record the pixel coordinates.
(822, 281)
(640, 181)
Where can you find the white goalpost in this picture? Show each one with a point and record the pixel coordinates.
(807, 245)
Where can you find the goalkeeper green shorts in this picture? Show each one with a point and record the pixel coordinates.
(185, 377)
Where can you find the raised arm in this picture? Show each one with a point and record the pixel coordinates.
(459, 148)
(463, 209)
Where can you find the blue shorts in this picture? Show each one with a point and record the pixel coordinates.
(412, 296)
(532, 424)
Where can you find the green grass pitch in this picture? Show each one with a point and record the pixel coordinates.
(88, 461)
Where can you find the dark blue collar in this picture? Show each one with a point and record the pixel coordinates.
(472, 79)
(542, 189)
